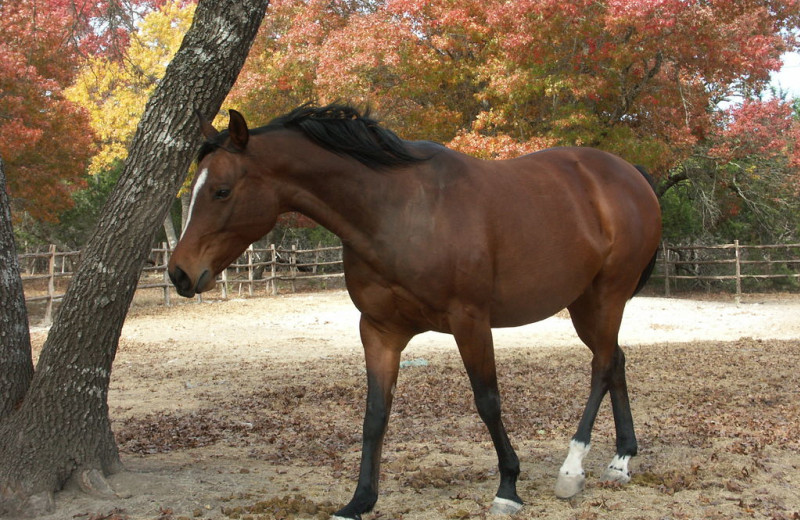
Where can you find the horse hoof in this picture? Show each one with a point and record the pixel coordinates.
(504, 506)
(336, 517)
(617, 472)
(616, 476)
(567, 486)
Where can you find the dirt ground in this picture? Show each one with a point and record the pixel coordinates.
(253, 408)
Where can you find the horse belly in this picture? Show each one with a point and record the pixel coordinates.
(543, 272)
(534, 296)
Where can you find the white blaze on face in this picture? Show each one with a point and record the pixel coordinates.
(201, 180)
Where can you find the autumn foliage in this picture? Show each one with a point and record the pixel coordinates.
(45, 139)
(659, 82)
(755, 128)
(640, 78)
(114, 93)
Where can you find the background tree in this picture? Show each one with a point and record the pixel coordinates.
(64, 415)
(742, 182)
(35, 66)
(639, 77)
(46, 139)
(16, 367)
(114, 92)
(497, 79)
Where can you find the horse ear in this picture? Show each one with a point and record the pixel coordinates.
(237, 128)
(208, 131)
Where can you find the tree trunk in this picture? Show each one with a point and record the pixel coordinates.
(16, 366)
(62, 428)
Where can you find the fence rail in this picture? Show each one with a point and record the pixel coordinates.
(733, 267)
(45, 275)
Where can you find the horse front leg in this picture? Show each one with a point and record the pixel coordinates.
(382, 354)
(474, 339)
(571, 477)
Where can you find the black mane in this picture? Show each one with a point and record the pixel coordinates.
(342, 129)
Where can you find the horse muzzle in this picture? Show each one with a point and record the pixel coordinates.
(185, 286)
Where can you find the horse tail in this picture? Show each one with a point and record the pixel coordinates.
(648, 270)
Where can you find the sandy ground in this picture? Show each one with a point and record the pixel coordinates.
(252, 409)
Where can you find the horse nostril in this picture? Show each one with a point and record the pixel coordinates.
(182, 282)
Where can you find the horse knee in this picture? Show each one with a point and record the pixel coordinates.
(618, 360)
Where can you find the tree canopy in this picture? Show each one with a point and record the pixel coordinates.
(114, 92)
(681, 87)
(640, 78)
(45, 138)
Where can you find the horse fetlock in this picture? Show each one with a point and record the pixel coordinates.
(618, 471)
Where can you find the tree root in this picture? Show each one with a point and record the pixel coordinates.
(17, 502)
(92, 482)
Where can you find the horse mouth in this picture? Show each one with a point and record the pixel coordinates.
(203, 282)
(183, 283)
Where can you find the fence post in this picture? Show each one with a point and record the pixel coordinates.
(272, 269)
(665, 257)
(32, 262)
(225, 284)
(51, 287)
(250, 257)
(737, 254)
(167, 282)
(293, 266)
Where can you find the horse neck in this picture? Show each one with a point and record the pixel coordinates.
(340, 193)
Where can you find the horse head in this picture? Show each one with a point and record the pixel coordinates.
(230, 208)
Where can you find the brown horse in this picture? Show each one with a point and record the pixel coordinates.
(436, 240)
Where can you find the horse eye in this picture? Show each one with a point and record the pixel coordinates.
(222, 194)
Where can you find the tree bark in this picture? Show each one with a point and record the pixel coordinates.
(62, 428)
(16, 366)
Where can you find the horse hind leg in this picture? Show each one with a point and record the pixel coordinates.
(597, 322)
(617, 471)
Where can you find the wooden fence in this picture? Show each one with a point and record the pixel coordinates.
(45, 275)
(735, 268)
